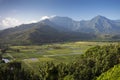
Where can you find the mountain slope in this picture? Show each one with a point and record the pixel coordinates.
(64, 22)
(58, 29)
(98, 25)
(39, 33)
(104, 25)
(26, 34)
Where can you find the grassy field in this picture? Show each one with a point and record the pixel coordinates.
(32, 56)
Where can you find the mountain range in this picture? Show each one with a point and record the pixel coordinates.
(59, 29)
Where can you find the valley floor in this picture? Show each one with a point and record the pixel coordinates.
(57, 52)
(34, 57)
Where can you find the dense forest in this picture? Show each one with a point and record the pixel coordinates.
(87, 66)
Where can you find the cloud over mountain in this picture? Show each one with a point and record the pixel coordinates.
(44, 17)
(9, 22)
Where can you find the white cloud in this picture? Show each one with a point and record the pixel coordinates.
(10, 22)
(45, 17)
(32, 21)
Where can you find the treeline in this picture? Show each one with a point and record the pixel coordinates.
(88, 66)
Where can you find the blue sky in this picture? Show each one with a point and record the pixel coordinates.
(31, 10)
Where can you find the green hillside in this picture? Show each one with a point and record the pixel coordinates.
(112, 74)
(39, 33)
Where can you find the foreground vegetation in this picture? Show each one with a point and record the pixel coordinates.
(97, 59)
(112, 74)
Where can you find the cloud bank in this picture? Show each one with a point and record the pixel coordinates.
(9, 22)
(12, 22)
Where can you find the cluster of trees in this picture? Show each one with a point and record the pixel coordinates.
(4, 49)
(88, 66)
(13, 71)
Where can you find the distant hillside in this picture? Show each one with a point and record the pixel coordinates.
(98, 24)
(57, 29)
(112, 74)
(39, 33)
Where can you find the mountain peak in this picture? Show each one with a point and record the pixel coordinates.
(99, 18)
